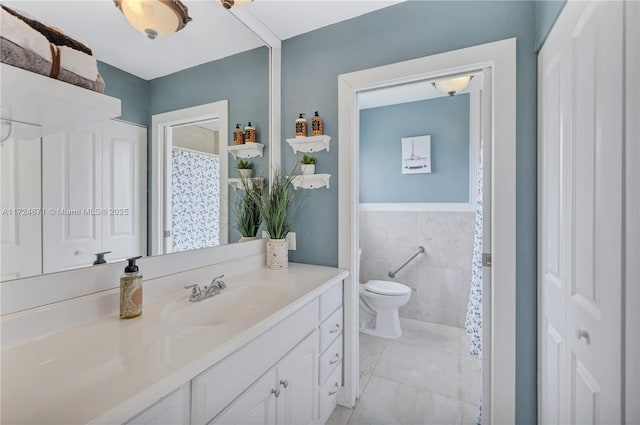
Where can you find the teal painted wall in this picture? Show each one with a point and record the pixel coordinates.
(133, 92)
(311, 64)
(243, 80)
(446, 120)
(547, 12)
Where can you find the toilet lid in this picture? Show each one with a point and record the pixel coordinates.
(384, 287)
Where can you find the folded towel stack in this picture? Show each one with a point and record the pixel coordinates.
(31, 45)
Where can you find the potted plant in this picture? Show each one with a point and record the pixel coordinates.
(276, 219)
(248, 217)
(308, 164)
(244, 168)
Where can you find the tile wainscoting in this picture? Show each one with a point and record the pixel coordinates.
(440, 278)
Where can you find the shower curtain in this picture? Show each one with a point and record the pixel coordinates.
(473, 322)
(195, 201)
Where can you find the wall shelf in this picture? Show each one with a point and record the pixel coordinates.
(245, 151)
(52, 104)
(311, 181)
(236, 183)
(309, 144)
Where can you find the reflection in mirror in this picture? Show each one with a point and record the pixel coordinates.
(92, 192)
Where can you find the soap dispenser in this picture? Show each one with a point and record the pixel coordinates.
(301, 126)
(317, 125)
(249, 133)
(131, 291)
(238, 136)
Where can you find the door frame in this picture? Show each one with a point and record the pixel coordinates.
(499, 336)
(160, 124)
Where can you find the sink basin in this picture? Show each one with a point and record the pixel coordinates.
(230, 306)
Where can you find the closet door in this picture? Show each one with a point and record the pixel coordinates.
(581, 83)
(124, 194)
(71, 190)
(594, 307)
(20, 219)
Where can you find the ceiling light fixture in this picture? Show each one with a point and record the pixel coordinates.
(155, 18)
(453, 85)
(228, 4)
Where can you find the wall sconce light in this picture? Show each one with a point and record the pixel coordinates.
(155, 18)
(228, 4)
(453, 85)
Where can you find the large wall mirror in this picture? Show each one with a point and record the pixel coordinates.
(99, 186)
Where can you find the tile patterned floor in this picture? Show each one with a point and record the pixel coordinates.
(423, 377)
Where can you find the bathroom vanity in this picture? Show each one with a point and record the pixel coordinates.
(268, 349)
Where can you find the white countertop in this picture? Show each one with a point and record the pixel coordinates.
(109, 370)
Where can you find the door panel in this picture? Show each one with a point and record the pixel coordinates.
(72, 178)
(20, 230)
(298, 377)
(256, 406)
(124, 196)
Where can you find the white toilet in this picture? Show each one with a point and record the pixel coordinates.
(380, 302)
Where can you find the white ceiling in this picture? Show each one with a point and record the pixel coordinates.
(214, 33)
(411, 92)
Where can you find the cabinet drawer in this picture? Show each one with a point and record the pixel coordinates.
(329, 394)
(218, 386)
(330, 360)
(172, 409)
(330, 329)
(330, 301)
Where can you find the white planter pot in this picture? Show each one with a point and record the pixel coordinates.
(277, 254)
(308, 169)
(246, 173)
(247, 238)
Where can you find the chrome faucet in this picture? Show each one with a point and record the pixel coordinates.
(214, 288)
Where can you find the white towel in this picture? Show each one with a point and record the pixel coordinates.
(78, 62)
(20, 33)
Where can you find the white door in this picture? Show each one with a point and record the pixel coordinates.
(20, 203)
(581, 83)
(124, 158)
(256, 406)
(298, 378)
(71, 189)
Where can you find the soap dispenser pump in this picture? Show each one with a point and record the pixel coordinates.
(131, 291)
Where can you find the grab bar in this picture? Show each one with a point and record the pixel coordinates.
(419, 251)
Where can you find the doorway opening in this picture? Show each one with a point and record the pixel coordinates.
(420, 250)
(495, 62)
(189, 179)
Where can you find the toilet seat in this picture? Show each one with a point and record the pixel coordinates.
(385, 287)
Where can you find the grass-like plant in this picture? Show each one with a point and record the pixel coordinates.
(308, 160)
(244, 165)
(248, 216)
(275, 207)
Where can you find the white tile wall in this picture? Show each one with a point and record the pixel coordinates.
(439, 279)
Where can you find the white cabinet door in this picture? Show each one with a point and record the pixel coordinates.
(124, 158)
(581, 81)
(71, 189)
(20, 202)
(297, 379)
(256, 406)
(171, 410)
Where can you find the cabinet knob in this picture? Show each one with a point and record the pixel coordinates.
(336, 389)
(337, 359)
(276, 392)
(284, 383)
(336, 329)
(583, 333)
